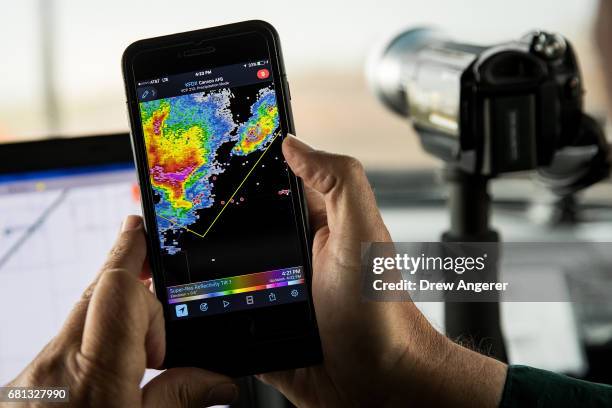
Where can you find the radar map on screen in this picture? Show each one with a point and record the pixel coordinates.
(190, 140)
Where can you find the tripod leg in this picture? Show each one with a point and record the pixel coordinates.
(475, 322)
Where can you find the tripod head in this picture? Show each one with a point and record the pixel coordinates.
(497, 109)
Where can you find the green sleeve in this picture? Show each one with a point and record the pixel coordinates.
(531, 387)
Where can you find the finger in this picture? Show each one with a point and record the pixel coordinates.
(188, 387)
(351, 206)
(285, 382)
(132, 231)
(130, 250)
(122, 317)
(145, 272)
(122, 314)
(317, 215)
(155, 338)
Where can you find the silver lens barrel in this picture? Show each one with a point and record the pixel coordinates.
(418, 75)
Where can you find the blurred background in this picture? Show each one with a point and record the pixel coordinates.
(61, 60)
(60, 76)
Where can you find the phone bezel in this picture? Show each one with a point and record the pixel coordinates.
(160, 56)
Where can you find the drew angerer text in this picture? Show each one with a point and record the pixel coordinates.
(455, 265)
(424, 285)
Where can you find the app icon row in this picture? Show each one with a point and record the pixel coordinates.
(235, 302)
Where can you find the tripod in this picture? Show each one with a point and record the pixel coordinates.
(469, 203)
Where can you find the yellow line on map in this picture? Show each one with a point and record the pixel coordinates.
(231, 197)
(182, 226)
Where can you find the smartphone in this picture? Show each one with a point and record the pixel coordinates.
(225, 217)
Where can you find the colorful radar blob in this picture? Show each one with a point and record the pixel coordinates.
(183, 135)
(259, 129)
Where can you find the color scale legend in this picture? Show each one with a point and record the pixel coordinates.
(235, 285)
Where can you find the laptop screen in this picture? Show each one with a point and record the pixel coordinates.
(56, 228)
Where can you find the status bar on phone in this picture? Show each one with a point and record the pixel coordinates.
(203, 80)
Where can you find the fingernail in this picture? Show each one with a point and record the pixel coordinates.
(131, 222)
(222, 394)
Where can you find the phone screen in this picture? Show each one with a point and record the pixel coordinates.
(226, 218)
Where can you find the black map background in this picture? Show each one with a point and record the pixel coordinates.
(256, 235)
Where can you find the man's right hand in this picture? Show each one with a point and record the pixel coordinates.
(375, 353)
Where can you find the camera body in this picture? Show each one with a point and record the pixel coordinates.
(490, 110)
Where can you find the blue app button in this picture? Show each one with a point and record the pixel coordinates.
(181, 310)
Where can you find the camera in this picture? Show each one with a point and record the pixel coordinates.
(486, 111)
(490, 110)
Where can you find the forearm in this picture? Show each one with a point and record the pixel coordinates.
(471, 379)
(439, 372)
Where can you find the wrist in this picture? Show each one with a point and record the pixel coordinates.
(435, 371)
(473, 379)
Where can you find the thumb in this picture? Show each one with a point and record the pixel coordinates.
(130, 250)
(123, 315)
(352, 212)
(127, 254)
(188, 387)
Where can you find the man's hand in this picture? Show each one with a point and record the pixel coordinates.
(114, 332)
(375, 353)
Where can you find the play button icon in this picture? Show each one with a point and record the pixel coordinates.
(225, 303)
